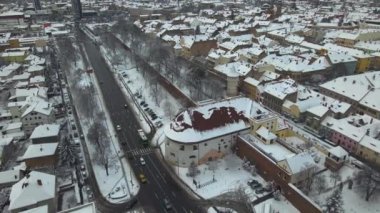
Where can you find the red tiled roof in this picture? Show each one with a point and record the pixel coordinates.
(219, 117)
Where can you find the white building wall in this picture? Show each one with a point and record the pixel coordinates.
(32, 120)
(183, 154)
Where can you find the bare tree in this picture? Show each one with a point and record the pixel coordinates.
(335, 178)
(334, 203)
(277, 195)
(193, 169)
(168, 108)
(4, 197)
(97, 135)
(320, 183)
(368, 181)
(242, 196)
(212, 165)
(308, 171)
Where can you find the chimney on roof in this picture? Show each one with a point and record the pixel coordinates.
(39, 182)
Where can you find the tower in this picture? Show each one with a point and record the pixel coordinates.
(37, 5)
(77, 9)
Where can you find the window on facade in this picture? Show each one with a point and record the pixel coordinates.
(39, 117)
(205, 144)
(192, 156)
(182, 147)
(225, 146)
(195, 147)
(172, 154)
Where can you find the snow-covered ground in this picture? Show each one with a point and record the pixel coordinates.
(68, 199)
(116, 187)
(282, 205)
(229, 176)
(353, 202)
(220, 210)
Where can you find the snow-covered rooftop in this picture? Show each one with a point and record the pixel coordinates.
(214, 119)
(35, 68)
(188, 41)
(274, 151)
(371, 143)
(40, 209)
(294, 63)
(357, 87)
(9, 176)
(11, 13)
(338, 151)
(281, 88)
(265, 133)
(45, 130)
(32, 189)
(7, 70)
(39, 105)
(300, 162)
(354, 127)
(234, 69)
(319, 111)
(40, 150)
(85, 208)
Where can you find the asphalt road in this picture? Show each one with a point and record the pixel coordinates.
(160, 183)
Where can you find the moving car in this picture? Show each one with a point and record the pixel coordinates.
(167, 204)
(142, 161)
(118, 128)
(142, 178)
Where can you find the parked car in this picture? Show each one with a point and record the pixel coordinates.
(142, 161)
(256, 186)
(158, 124)
(142, 103)
(252, 182)
(260, 190)
(145, 105)
(84, 174)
